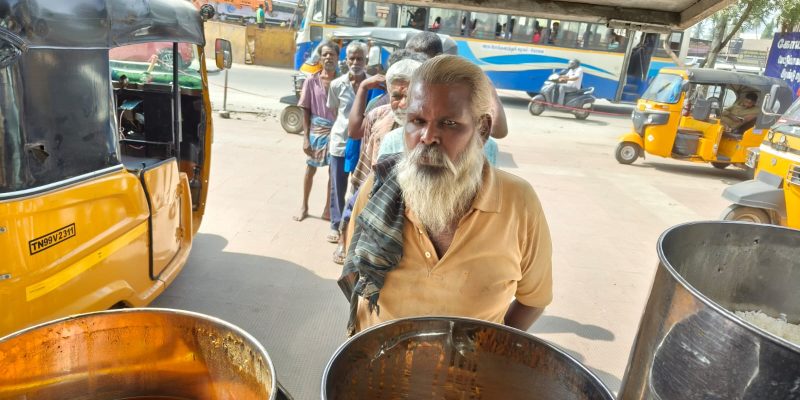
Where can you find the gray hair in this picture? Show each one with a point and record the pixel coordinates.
(328, 44)
(402, 71)
(426, 42)
(356, 46)
(406, 54)
(454, 70)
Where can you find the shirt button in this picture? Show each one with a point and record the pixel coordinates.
(427, 254)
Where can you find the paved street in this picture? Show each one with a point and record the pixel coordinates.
(255, 267)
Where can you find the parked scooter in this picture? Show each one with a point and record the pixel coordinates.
(577, 103)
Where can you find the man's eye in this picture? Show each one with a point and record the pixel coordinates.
(448, 122)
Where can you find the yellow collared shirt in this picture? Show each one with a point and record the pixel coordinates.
(501, 250)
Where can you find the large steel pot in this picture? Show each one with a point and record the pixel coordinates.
(135, 353)
(690, 345)
(454, 358)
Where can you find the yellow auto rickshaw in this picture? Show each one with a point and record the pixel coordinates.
(773, 196)
(105, 151)
(682, 115)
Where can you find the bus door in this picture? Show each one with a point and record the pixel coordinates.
(636, 64)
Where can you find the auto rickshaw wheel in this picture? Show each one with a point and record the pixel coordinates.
(292, 119)
(735, 212)
(719, 165)
(627, 152)
(536, 106)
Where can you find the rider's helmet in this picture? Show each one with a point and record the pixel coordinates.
(574, 63)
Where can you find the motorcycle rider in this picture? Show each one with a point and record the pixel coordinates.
(570, 80)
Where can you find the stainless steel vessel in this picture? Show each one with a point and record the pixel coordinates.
(454, 358)
(135, 353)
(690, 345)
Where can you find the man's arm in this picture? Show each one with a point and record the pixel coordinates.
(307, 131)
(356, 123)
(521, 316)
(333, 99)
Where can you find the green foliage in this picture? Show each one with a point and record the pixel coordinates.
(789, 15)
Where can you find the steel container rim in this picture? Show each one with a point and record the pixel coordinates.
(591, 375)
(703, 298)
(162, 311)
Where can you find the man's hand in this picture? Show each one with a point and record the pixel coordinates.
(307, 146)
(374, 82)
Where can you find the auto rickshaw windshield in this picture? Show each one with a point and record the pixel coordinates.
(152, 63)
(665, 88)
(789, 121)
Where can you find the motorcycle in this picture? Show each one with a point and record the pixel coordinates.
(577, 103)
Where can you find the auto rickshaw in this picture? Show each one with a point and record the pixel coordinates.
(389, 40)
(773, 196)
(104, 161)
(679, 116)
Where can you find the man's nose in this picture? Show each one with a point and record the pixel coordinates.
(402, 104)
(429, 135)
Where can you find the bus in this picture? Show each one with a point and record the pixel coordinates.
(516, 52)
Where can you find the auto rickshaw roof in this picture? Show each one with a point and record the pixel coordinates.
(101, 23)
(715, 76)
(396, 37)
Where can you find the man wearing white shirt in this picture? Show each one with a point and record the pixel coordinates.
(340, 99)
(570, 81)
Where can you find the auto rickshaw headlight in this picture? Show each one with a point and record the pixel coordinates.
(783, 140)
(752, 157)
(770, 135)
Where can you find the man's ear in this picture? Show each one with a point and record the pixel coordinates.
(485, 127)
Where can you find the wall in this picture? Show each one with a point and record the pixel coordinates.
(236, 34)
(271, 46)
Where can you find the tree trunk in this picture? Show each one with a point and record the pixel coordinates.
(720, 44)
(719, 30)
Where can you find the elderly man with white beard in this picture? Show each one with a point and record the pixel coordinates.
(436, 230)
(373, 128)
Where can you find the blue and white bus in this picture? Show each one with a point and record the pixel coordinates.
(516, 52)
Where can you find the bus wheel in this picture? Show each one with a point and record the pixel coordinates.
(719, 165)
(735, 212)
(536, 106)
(292, 119)
(627, 152)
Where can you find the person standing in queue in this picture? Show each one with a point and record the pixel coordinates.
(340, 99)
(318, 119)
(436, 230)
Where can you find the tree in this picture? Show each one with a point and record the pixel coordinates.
(769, 30)
(789, 15)
(744, 13)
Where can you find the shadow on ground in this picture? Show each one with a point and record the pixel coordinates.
(254, 292)
(729, 176)
(553, 324)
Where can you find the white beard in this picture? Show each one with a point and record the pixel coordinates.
(439, 191)
(399, 116)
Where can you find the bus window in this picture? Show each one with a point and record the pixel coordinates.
(675, 39)
(568, 34)
(343, 12)
(449, 21)
(488, 26)
(318, 14)
(413, 17)
(528, 29)
(377, 14)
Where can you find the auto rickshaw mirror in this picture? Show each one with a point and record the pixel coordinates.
(207, 12)
(223, 54)
(770, 104)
